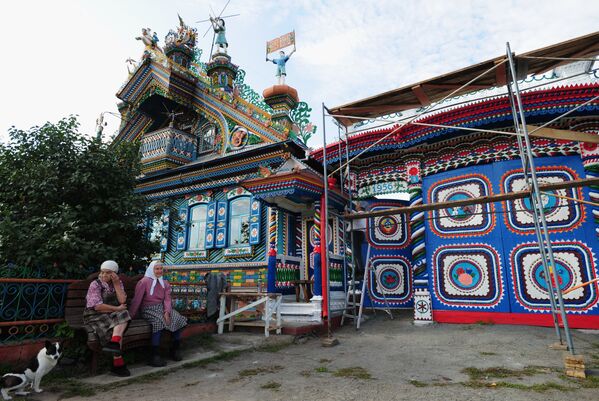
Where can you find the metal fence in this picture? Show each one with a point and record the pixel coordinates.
(31, 308)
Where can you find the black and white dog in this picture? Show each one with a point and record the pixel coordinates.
(39, 366)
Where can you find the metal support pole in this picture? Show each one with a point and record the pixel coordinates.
(544, 256)
(344, 234)
(351, 228)
(544, 246)
(324, 217)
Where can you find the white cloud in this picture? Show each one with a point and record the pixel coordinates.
(66, 57)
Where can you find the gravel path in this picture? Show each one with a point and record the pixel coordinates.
(385, 360)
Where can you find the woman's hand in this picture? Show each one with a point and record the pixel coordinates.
(115, 279)
(121, 307)
(167, 318)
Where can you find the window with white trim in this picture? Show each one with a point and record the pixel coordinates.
(197, 227)
(239, 221)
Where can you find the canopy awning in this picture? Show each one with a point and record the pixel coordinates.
(425, 92)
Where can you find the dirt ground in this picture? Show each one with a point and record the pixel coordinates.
(385, 360)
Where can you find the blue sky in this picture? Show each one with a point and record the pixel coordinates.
(68, 57)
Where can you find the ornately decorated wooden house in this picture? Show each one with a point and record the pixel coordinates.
(233, 169)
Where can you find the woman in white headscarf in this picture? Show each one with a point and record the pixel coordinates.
(106, 313)
(153, 299)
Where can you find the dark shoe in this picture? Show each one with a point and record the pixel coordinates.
(112, 347)
(175, 354)
(157, 361)
(120, 371)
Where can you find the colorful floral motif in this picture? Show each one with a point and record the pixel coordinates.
(467, 275)
(388, 232)
(460, 221)
(575, 264)
(560, 213)
(393, 280)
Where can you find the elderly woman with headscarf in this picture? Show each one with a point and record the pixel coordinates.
(106, 313)
(153, 299)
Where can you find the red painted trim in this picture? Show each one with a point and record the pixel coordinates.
(528, 319)
(324, 245)
(26, 322)
(34, 280)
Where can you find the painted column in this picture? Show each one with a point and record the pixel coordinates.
(316, 253)
(272, 249)
(589, 153)
(324, 249)
(423, 313)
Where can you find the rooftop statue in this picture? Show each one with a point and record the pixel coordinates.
(218, 25)
(149, 38)
(281, 62)
(183, 36)
(280, 43)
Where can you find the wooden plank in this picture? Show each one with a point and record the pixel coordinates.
(563, 134)
(421, 95)
(473, 201)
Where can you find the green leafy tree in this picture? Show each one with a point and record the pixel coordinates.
(67, 203)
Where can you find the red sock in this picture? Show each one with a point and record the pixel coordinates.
(118, 361)
(116, 339)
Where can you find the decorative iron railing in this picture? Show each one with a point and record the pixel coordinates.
(30, 308)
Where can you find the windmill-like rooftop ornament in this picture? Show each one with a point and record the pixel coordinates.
(218, 26)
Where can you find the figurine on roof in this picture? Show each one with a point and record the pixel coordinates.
(218, 24)
(183, 36)
(281, 43)
(280, 62)
(149, 38)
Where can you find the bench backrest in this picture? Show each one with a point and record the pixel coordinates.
(77, 292)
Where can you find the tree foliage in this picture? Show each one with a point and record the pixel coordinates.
(67, 203)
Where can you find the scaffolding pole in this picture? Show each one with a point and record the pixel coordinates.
(324, 218)
(536, 202)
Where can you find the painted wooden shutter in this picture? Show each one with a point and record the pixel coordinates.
(210, 225)
(221, 225)
(164, 230)
(182, 233)
(255, 220)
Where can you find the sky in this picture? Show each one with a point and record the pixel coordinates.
(68, 57)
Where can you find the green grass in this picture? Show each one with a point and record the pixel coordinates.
(417, 383)
(539, 387)
(271, 385)
(322, 369)
(355, 372)
(260, 370)
(275, 347)
(476, 374)
(68, 388)
(485, 353)
(324, 360)
(224, 356)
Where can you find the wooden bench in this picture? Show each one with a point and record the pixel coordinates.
(138, 334)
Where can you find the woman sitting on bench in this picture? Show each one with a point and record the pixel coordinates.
(106, 313)
(153, 297)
